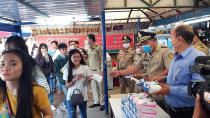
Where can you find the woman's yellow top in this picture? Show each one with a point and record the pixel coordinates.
(40, 101)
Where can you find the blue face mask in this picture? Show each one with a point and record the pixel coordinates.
(146, 48)
(170, 45)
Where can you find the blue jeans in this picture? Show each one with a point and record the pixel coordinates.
(54, 84)
(50, 96)
(72, 109)
(64, 89)
(59, 85)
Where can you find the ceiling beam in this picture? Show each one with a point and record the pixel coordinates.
(204, 3)
(178, 11)
(7, 19)
(145, 14)
(175, 2)
(154, 12)
(187, 15)
(156, 2)
(125, 19)
(153, 7)
(125, 3)
(121, 11)
(129, 15)
(28, 5)
(146, 3)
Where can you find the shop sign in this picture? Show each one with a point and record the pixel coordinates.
(113, 41)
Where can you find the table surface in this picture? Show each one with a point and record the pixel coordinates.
(118, 113)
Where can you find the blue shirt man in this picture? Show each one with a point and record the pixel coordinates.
(179, 76)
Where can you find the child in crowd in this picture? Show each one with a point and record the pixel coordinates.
(19, 96)
(76, 76)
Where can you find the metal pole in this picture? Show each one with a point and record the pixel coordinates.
(104, 61)
(20, 31)
(138, 25)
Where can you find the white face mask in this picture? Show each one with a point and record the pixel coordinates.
(72, 47)
(138, 51)
(126, 45)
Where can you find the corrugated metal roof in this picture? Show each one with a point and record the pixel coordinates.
(32, 10)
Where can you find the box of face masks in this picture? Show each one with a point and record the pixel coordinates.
(139, 106)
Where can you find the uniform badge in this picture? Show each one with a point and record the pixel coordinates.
(125, 37)
(171, 55)
(139, 34)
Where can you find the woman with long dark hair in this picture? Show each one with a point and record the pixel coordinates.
(16, 42)
(19, 97)
(34, 51)
(46, 63)
(76, 76)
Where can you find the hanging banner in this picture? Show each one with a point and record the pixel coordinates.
(113, 41)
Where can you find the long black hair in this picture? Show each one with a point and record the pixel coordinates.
(19, 43)
(33, 48)
(25, 93)
(71, 65)
(40, 46)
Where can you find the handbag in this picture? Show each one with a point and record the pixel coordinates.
(76, 97)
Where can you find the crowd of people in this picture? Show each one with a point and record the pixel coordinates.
(28, 81)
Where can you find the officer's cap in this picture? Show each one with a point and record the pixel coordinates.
(143, 39)
(142, 33)
(126, 39)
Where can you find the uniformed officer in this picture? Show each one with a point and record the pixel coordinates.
(198, 44)
(156, 59)
(95, 62)
(142, 73)
(124, 59)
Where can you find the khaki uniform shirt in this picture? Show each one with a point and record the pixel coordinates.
(95, 58)
(157, 62)
(142, 72)
(125, 58)
(201, 47)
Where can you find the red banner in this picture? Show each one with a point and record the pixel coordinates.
(113, 41)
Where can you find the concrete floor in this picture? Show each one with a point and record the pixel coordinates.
(60, 112)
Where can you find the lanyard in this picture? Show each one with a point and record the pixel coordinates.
(9, 107)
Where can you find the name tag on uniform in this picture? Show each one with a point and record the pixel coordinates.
(128, 76)
(145, 62)
(123, 64)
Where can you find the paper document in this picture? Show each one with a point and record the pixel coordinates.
(97, 77)
(64, 67)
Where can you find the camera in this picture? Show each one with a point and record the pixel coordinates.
(202, 87)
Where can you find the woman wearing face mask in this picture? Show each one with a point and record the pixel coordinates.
(124, 59)
(46, 63)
